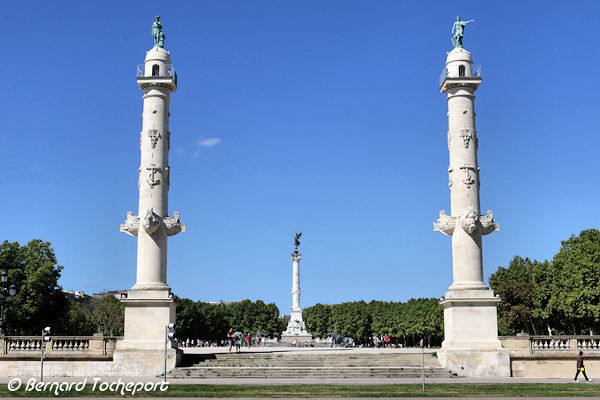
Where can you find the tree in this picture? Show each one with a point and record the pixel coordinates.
(39, 301)
(108, 316)
(316, 319)
(79, 320)
(515, 286)
(576, 272)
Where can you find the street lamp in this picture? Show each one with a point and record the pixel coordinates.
(45, 338)
(169, 335)
(5, 297)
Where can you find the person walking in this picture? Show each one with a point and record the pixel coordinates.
(230, 338)
(581, 368)
(248, 339)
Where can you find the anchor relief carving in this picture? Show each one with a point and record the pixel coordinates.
(151, 179)
(469, 179)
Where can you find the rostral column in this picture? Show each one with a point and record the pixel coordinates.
(471, 346)
(149, 305)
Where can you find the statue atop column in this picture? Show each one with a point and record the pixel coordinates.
(297, 241)
(159, 35)
(458, 31)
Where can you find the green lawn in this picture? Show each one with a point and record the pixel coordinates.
(413, 390)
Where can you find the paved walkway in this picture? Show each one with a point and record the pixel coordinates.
(314, 381)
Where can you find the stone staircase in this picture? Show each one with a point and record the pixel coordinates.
(290, 364)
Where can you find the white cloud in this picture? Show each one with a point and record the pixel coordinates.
(209, 142)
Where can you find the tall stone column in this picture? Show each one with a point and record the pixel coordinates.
(149, 305)
(296, 311)
(296, 330)
(471, 346)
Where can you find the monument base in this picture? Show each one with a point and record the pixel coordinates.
(298, 338)
(471, 346)
(296, 330)
(142, 350)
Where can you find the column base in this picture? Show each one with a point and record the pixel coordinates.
(141, 352)
(471, 346)
(296, 330)
(476, 363)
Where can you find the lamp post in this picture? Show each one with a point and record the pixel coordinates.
(5, 297)
(169, 335)
(45, 338)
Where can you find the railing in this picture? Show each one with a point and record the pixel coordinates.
(163, 71)
(473, 73)
(551, 343)
(92, 345)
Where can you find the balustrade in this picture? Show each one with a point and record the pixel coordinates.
(93, 345)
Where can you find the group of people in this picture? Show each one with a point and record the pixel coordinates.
(381, 341)
(196, 343)
(237, 339)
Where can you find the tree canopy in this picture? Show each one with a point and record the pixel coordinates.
(561, 296)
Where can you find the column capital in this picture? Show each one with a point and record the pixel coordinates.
(296, 256)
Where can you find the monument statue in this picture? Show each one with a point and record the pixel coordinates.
(458, 31)
(297, 241)
(159, 35)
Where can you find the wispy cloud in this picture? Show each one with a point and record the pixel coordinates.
(209, 142)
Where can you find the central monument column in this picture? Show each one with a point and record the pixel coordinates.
(471, 346)
(296, 330)
(149, 305)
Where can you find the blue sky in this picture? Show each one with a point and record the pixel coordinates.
(318, 116)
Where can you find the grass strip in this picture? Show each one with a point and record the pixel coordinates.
(308, 391)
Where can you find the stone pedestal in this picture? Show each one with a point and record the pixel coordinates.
(147, 313)
(471, 346)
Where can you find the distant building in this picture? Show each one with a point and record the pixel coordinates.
(216, 303)
(74, 294)
(116, 293)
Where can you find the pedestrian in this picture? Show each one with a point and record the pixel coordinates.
(581, 368)
(257, 340)
(237, 338)
(230, 338)
(248, 339)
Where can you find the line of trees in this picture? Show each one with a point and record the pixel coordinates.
(205, 321)
(404, 322)
(561, 296)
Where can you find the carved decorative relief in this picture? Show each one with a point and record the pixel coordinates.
(450, 170)
(168, 140)
(173, 224)
(445, 223)
(469, 220)
(488, 224)
(131, 225)
(152, 181)
(154, 136)
(150, 221)
(469, 178)
(449, 139)
(466, 136)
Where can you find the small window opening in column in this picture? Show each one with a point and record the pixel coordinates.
(461, 70)
(155, 70)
